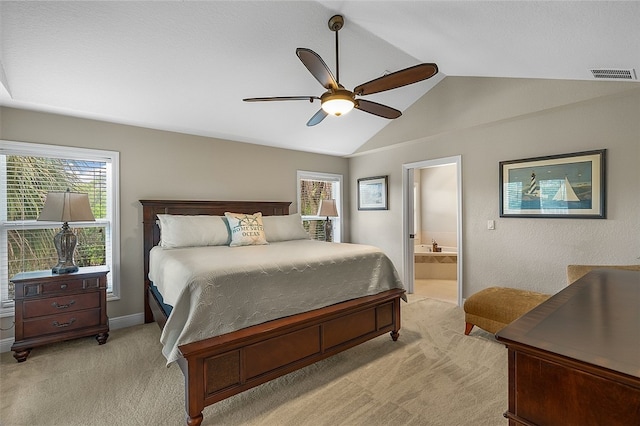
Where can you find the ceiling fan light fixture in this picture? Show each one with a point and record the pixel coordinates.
(338, 102)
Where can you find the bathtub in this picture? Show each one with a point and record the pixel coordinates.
(426, 248)
(442, 265)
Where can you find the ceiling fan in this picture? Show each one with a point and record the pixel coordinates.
(337, 100)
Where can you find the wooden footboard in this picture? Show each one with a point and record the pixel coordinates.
(223, 366)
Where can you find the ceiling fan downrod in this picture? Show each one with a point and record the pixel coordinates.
(336, 22)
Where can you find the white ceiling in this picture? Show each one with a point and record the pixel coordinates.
(185, 66)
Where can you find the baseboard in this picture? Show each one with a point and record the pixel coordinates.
(5, 344)
(126, 321)
(114, 324)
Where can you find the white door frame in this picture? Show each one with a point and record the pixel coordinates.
(407, 216)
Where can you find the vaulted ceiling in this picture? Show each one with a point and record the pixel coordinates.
(186, 66)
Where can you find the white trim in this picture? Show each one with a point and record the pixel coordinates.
(114, 324)
(115, 223)
(74, 153)
(408, 227)
(126, 321)
(407, 219)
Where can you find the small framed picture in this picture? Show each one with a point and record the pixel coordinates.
(557, 186)
(373, 193)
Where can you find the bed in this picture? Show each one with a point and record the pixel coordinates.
(226, 364)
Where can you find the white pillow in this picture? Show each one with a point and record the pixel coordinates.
(246, 229)
(284, 228)
(192, 231)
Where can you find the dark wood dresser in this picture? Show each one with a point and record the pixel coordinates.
(575, 359)
(55, 307)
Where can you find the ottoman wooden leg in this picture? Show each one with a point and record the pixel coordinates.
(467, 328)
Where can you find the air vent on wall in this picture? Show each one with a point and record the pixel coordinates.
(617, 74)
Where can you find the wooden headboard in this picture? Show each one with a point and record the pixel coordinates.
(151, 231)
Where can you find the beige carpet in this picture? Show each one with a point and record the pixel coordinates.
(433, 375)
(444, 290)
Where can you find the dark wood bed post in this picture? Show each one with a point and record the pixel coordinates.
(148, 223)
(395, 333)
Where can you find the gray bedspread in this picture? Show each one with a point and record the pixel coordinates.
(220, 289)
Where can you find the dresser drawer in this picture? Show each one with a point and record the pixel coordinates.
(60, 304)
(61, 323)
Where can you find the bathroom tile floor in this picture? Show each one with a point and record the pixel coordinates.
(444, 290)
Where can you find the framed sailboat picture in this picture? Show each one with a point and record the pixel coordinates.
(557, 186)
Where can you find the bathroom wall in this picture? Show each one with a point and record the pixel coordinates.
(438, 205)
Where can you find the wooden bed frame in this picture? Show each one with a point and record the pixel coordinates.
(222, 366)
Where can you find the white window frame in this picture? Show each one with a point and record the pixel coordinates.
(112, 222)
(336, 222)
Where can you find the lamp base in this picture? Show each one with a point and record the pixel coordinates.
(65, 242)
(64, 269)
(327, 231)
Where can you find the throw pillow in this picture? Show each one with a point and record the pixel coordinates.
(284, 228)
(246, 229)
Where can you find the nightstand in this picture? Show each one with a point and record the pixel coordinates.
(52, 307)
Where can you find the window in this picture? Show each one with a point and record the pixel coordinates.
(313, 187)
(27, 173)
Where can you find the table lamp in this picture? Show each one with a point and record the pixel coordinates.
(327, 209)
(66, 207)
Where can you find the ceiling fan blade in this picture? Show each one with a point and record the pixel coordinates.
(317, 67)
(377, 109)
(282, 98)
(317, 117)
(397, 79)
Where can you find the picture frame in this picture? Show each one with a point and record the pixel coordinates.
(556, 186)
(373, 193)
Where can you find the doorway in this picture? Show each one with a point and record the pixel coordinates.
(432, 213)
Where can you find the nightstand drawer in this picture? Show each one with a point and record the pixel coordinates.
(32, 290)
(60, 304)
(61, 323)
(71, 285)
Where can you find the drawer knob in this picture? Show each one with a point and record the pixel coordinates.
(56, 305)
(63, 286)
(64, 324)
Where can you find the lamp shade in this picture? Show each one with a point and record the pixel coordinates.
(327, 208)
(66, 207)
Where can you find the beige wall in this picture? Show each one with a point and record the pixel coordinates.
(156, 164)
(489, 120)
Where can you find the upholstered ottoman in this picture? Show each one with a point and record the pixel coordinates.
(493, 308)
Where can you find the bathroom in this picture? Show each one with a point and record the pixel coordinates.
(436, 232)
